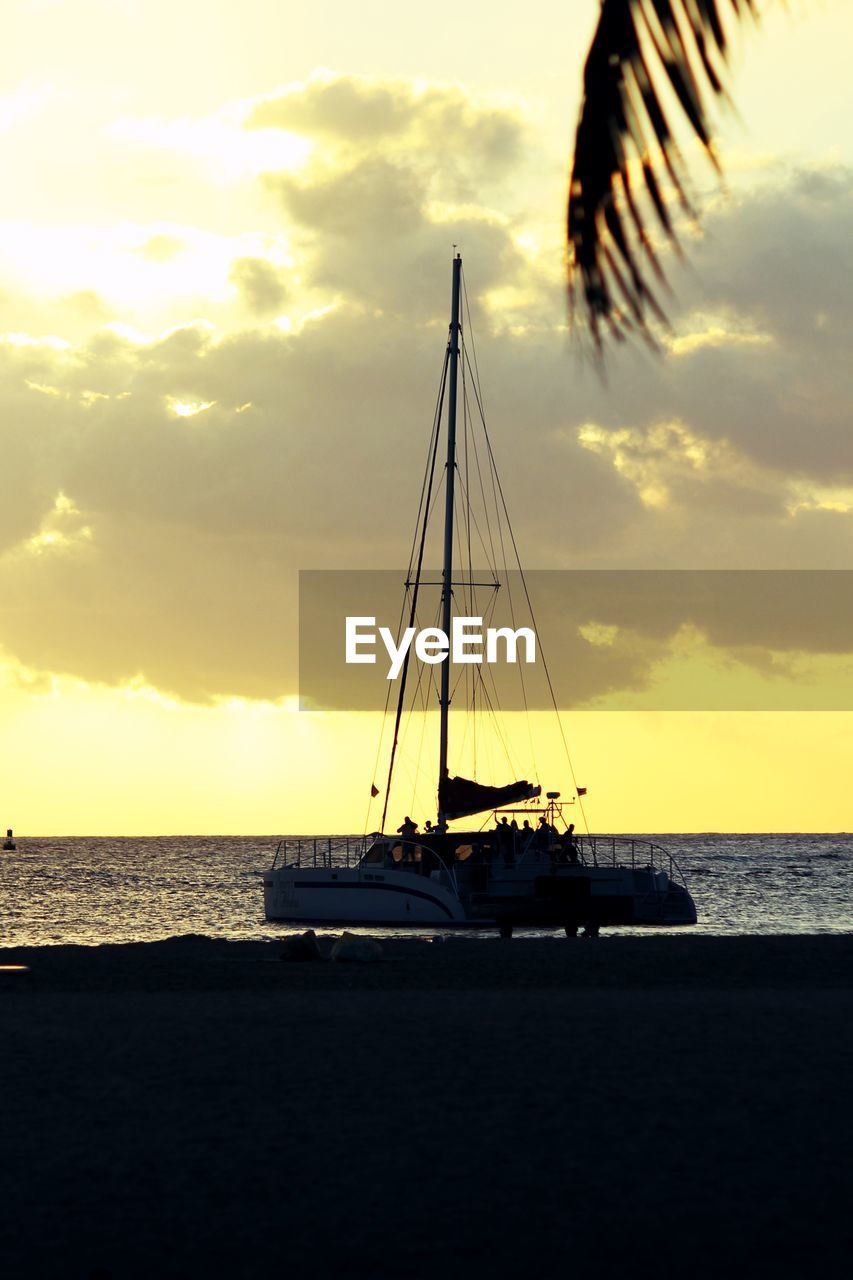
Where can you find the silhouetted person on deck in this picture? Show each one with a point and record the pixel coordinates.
(570, 846)
(567, 850)
(543, 834)
(506, 841)
(408, 829)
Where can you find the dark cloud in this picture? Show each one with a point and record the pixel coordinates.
(365, 115)
(399, 177)
(260, 285)
(370, 237)
(342, 107)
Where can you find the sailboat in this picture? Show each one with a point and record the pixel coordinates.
(499, 876)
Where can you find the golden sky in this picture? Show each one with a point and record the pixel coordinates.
(224, 260)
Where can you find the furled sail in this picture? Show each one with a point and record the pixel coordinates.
(457, 797)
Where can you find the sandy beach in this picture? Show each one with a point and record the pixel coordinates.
(625, 1106)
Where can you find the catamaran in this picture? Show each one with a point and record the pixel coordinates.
(502, 875)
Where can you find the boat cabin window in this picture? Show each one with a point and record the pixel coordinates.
(384, 853)
(406, 853)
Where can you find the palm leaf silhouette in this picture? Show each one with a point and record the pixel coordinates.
(625, 146)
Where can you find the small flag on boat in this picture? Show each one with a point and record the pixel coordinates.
(581, 791)
(374, 791)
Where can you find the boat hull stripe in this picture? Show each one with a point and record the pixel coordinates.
(392, 888)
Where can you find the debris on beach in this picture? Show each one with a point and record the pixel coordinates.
(351, 947)
(301, 946)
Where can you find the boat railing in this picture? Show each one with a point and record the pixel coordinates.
(347, 851)
(596, 851)
(321, 851)
(625, 851)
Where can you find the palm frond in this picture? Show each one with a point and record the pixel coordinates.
(626, 158)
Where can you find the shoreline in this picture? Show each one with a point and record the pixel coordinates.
(682, 961)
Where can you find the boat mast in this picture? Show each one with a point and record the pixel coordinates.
(447, 570)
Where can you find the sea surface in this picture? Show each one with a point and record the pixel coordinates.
(99, 890)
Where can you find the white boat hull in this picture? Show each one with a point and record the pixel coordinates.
(358, 896)
(530, 893)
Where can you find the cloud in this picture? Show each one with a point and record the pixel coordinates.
(397, 117)
(260, 285)
(162, 248)
(668, 462)
(88, 305)
(210, 462)
(398, 174)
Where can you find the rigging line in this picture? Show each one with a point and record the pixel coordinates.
(463, 498)
(493, 477)
(477, 680)
(384, 721)
(470, 681)
(487, 702)
(424, 695)
(428, 669)
(465, 587)
(418, 758)
(492, 562)
(492, 706)
(436, 427)
(541, 649)
(478, 395)
(487, 679)
(496, 485)
(418, 690)
(464, 477)
(435, 501)
(412, 757)
(428, 686)
(475, 372)
(499, 734)
(493, 474)
(402, 747)
(488, 552)
(487, 616)
(463, 530)
(421, 693)
(408, 770)
(430, 466)
(425, 507)
(434, 689)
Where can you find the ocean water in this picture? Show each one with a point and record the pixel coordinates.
(123, 890)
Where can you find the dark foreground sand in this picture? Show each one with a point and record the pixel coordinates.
(621, 1107)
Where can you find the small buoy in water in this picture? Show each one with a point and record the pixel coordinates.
(9, 843)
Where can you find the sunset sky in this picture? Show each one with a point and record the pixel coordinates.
(225, 248)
